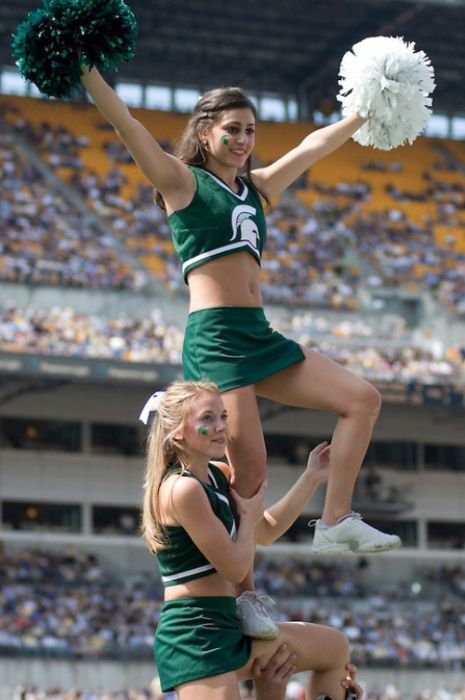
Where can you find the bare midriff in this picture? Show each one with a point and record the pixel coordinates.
(232, 280)
(213, 585)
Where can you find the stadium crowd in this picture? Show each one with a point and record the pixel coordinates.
(397, 246)
(59, 331)
(400, 249)
(295, 691)
(28, 692)
(45, 241)
(384, 352)
(304, 263)
(65, 605)
(309, 258)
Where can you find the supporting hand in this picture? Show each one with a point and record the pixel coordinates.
(271, 681)
(318, 462)
(250, 507)
(353, 689)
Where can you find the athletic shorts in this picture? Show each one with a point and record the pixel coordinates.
(198, 638)
(234, 346)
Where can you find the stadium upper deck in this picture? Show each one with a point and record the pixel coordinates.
(217, 42)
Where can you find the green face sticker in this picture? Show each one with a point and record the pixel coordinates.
(225, 139)
(203, 430)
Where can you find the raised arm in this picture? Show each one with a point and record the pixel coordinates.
(274, 178)
(165, 172)
(278, 518)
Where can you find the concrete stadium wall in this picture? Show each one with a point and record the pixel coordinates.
(121, 404)
(90, 479)
(107, 304)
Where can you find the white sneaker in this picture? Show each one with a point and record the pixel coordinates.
(253, 610)
(351, 534)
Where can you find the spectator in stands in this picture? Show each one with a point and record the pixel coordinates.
(65, 604)
(189, 524)
(204, 197)
(389, 691)
(44, 240)
(65, 332)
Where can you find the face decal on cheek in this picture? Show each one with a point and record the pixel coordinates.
(203, 430)
(224, 139)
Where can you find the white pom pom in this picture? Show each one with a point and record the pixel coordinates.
(384, 79)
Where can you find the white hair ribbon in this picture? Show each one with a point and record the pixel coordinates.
(151, 405)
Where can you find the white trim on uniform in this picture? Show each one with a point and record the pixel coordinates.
(223, 498)
(206, 567)
(183, 574)
(245, 190)
(215, 484)
(218, 251)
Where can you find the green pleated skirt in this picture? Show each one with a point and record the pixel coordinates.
(197, 638)
(235, 346)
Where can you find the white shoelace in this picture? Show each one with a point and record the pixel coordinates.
(352, 514)
(262, 600)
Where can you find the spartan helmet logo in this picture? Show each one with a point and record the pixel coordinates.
(244, 226)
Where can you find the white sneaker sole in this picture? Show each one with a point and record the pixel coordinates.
(331, 548)
(341, 548)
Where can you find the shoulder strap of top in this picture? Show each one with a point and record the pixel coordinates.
(195, 169)
(177, 469)
(250, 184)
(218, 477)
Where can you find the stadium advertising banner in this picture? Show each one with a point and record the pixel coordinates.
(74, 369)
(116, 372)
(417, 394)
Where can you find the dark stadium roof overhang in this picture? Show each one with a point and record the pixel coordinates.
(287, 48)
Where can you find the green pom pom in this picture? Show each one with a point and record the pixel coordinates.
(46, 52)
(109, 33)
(52, 44)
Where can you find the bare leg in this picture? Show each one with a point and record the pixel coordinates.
(246, 449)
(322, 650)
(246, 445)
(318, 382)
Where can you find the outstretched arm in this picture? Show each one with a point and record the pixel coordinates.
(273, 179)
(166, 172)
(278, 518)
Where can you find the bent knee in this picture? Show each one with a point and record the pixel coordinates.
(341, 648)
(366, 400)
(373, 400)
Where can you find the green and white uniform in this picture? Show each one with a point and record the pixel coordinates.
(231, 346)
(197, 637)
(182, 561)
(217, 222)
